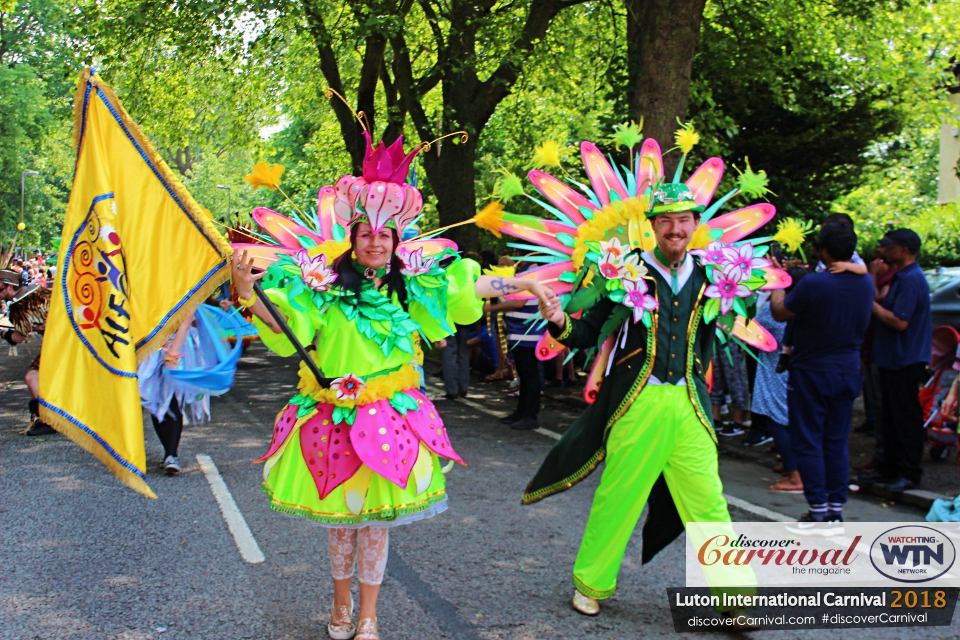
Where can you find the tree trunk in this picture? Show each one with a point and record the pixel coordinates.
(662, 38)
(374, 47)
(450, 169)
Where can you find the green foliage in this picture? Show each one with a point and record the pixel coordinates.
(791, 89)
(904, 195)
(38, 58)
(833, 99)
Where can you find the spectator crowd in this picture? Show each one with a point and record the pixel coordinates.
(846, 329)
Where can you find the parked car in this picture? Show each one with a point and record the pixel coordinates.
(944, 295)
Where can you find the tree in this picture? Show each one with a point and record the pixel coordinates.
(39, 48)
(820, 98)
(662, 38)
(375, 23)
(470, 41)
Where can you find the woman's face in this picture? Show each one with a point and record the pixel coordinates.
(373, 249)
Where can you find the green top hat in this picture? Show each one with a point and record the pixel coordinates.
(673, 197)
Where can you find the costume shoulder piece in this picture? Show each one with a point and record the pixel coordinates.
(590, 250)
(29, 309)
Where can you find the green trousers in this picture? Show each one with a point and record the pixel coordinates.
(659, 433)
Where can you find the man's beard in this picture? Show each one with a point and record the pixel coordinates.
(674, 255)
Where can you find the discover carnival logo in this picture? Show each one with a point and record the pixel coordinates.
(912, 553)
(722, 551)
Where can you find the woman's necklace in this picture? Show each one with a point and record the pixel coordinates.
(370, 273)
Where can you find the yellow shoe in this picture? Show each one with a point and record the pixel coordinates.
(585, 604)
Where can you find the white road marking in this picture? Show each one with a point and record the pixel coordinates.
(547, 432)
(246, 543)
(479, 407)
(757, 510)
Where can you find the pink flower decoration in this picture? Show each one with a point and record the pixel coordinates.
(741, 261)
(715, 253)
(637, 299)
(382, 192)
(414, 264)
(314, 271)
(348, 387)
(727, 287)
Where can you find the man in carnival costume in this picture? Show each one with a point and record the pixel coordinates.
(359, 454)
(654, 312)
(654, 407)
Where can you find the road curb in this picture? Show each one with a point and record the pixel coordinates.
(916, 497)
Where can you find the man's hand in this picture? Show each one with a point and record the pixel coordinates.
(888, 318)
(551, 310)
(440, 344)
(545, 294)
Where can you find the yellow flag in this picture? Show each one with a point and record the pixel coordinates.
(137, 254)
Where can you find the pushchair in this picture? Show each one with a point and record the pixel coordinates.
(944, 363)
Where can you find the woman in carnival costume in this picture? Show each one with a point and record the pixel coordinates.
(653, 281)
(363, 455)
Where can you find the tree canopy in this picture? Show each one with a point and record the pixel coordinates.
(839, 101)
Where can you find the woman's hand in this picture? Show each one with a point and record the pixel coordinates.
(243, 276)
(440, 344)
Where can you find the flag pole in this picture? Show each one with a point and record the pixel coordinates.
(287, 331)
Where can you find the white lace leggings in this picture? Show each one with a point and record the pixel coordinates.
(367, 548)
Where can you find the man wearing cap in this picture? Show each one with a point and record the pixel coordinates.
(901, 351)
(831, 312)
(651, 418)
(27, 306)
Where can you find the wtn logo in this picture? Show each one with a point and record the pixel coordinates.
(898, 554)
(912, 553)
